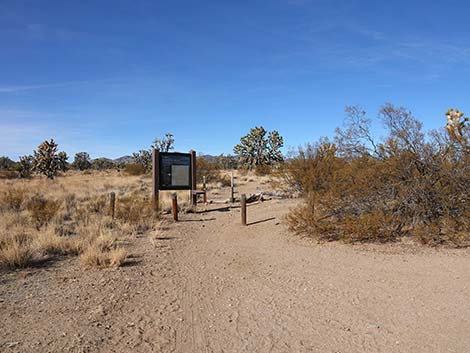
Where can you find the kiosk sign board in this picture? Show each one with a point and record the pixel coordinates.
(174, 171)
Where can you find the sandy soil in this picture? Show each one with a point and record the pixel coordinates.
(209, 284)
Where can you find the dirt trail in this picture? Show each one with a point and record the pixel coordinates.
(211, 285)
(255, 290)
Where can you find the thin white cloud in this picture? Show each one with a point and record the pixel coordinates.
(21, 88)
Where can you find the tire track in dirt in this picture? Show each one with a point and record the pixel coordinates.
(253, 290)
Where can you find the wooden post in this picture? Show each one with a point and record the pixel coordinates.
(243, 209)
(155, 178)
(174, 203)
(112, 204)
(193, 178)
(204, 187)
(232, 187)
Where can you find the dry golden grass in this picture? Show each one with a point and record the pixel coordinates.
(52, 244)
(70, 216)
(16, 249)
(104, 252)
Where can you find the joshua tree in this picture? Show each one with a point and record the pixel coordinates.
(25, 166)
(143, 158)
(63, 165)
(48, 161)
(256, 149)
(164, 144)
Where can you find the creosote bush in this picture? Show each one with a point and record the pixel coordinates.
(359, 189)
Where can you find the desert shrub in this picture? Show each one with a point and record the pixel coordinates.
(206, 169)
(103, 164)
(134, 169)
(82, 161)
(226, 162)
(13, 199)
(42, 210)
(6, 163)
(359, 189)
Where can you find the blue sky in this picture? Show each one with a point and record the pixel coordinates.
(108, 76)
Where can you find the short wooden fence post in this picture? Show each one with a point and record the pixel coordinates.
(204, 187)
(243, 209)
(112, 204)
(174, 202)
(193, 178)
(232, 187)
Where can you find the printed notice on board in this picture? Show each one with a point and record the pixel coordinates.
(179, 175)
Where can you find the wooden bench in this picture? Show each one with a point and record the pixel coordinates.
(199, 192)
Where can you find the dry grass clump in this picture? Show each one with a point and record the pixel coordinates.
(42, 210)
(104, 252)
(12, 199)
(361, 190)
(49, 243)
(16, 248)
(136, 212)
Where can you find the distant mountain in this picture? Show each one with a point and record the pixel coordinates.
(124, 160)
(130, 159)
(207, 157)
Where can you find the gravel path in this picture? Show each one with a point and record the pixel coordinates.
(210, 285)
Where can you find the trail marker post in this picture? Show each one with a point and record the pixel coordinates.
(155, 178)
(243, 209)
(112, 204)
(232, 187)
(204, 188)
(174, 206)
(193, 178)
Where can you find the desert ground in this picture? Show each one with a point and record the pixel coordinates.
(209, 284)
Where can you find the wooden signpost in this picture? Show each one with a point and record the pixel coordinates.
(155, 178)
(174, 171)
